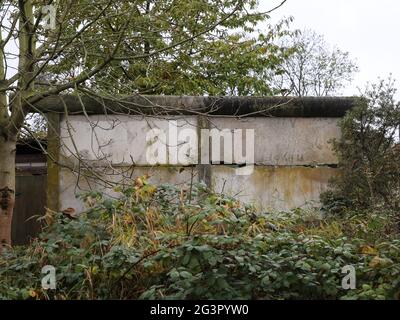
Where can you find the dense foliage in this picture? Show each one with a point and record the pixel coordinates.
(165, 242)
(369, 153)
(167, 46)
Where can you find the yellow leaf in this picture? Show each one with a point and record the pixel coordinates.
(32, 293)
(379, 262)
(369, 250)
(139, 182)
(94, 269)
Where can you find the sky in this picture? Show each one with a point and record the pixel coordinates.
(367, 29)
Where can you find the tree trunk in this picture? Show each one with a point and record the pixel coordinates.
(7, 188)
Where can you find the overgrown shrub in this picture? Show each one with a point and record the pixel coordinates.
(167, 243)
(369, 154)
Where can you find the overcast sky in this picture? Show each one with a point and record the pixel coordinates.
(367, 29)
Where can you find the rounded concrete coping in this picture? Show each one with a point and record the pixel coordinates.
(197, 105)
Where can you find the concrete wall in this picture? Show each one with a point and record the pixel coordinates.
(275, 187)
(292, 156)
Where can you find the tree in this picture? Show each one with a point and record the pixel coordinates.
(214, 54)
(313, 68)
(110, 48)
(368, 152)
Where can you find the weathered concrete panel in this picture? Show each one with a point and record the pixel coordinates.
(120, 140)
(279, 188)
(288, 141)
(71, 186)
(123, 140)
(284, 150)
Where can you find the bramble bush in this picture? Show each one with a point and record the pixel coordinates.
(170, 243)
